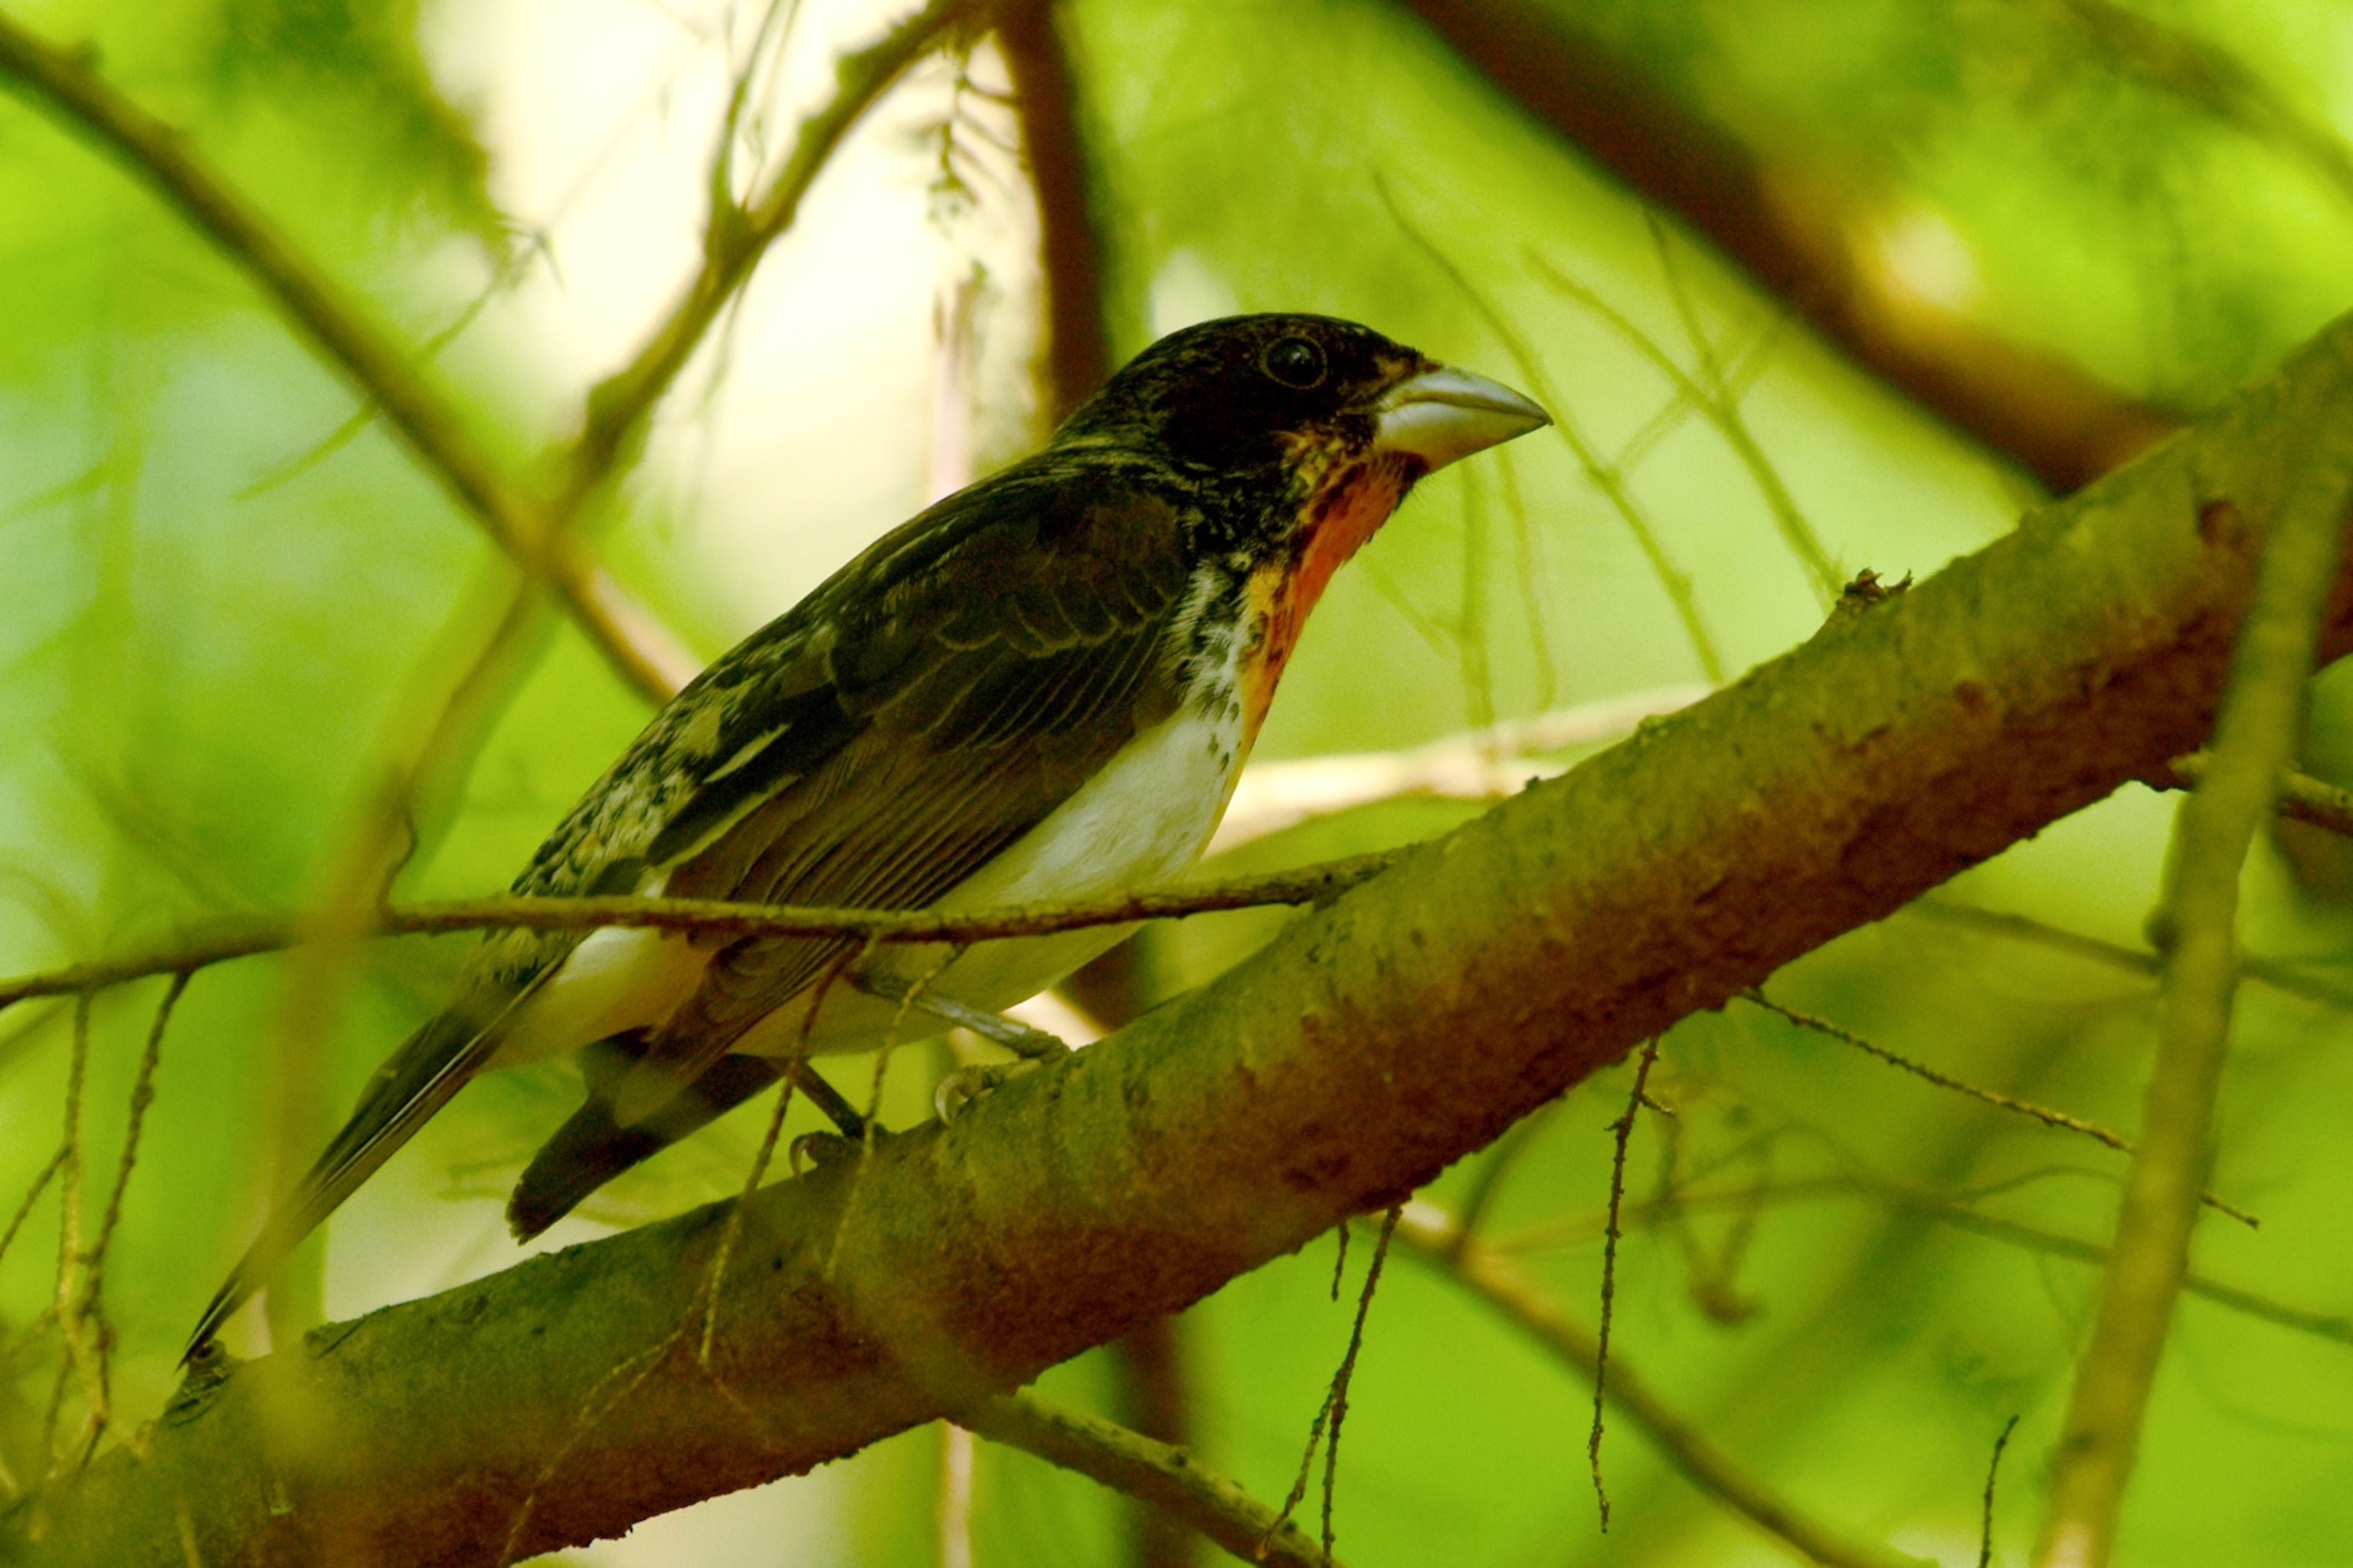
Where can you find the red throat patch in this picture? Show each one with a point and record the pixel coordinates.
(1343, 512)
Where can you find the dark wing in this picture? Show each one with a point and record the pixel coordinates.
(992, 675)
(954, 620)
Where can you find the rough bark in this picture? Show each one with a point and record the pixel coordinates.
(1391, 1032)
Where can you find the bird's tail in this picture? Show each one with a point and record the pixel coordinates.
(593, 1146)
(430, 1067)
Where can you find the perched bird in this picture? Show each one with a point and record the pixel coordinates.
(1042, 688)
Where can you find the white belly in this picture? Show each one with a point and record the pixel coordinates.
(1141, 822)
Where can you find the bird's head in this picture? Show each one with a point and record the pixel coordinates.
(1289, 425)
(1293, 437)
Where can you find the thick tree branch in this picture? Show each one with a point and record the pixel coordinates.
(1397, 1028)
(2044, 413)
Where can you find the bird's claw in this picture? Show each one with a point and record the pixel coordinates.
(966, 1085)
(824, 1150)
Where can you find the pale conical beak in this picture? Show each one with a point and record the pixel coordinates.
(1444, 414)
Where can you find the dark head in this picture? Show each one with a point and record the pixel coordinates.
(1272, 409)
(1293, 438)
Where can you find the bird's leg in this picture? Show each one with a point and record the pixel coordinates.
(1023, 1041)
(964, 1085)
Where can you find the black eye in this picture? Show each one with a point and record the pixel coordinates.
(1296, 362)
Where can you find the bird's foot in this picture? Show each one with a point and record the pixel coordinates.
(824, 1150)
(966, 1085)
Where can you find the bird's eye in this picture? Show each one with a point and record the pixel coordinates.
(1297, 362)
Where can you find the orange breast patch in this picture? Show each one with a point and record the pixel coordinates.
(1339, 517)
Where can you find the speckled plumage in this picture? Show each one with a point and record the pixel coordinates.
(917, 731)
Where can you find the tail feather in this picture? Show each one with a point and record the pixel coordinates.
(593, 1146)
(421, 1078)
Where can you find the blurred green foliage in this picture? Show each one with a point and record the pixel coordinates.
(218, 606)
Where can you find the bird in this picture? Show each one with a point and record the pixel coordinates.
(1042, 688)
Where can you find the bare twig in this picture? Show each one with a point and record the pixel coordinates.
(1716, 404)
(1487, 764)
(2300, 796)
(1953, 1210)
(340, 330)
(1325, 1430)
(1603, 475)
(92, 1303)
(1308, 884)
(2254, 737)
(1994, 1098)
(1167, 1478)
(2279, 976)
(734, 239)
(1794, 230)
(1430, 1232)
(1622, 1132)
(1993, 1468)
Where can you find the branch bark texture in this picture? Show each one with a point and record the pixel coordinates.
(1401, 1025)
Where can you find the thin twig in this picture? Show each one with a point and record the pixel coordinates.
(1994, 1098)
(1717, 406)
(1993, 1468)
(1310, 885)
(2254, 737)
(1167, 1478)
(1945, 1210)
(1603, 476)
(2279, 976)
(62, 81)
(79, 1355)
(728, 1237)
(1624, 1130)
(2301, 797)
(1325, 1430)
(734, 239)
(143, 1095)
(1430, 1232)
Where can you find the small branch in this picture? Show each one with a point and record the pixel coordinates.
(1076, 355)
(2255, 737)
(64, 82)
(1603, 475)
(1431, 1233)
(1993, 1469)
(2300, 796)
(1717, 404)
(2042, 1114)
(1946, 1211)
(1310, 885)
(1482, 765)
(1166, 1478)
(1793, 233)
(2271, 972)
(1621, 1134)
(734, 241)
